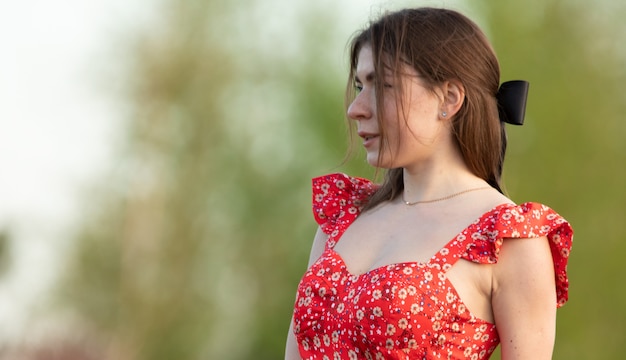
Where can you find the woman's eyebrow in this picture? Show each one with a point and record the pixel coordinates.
(369, 77)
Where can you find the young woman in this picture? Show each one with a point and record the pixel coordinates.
(435, 262)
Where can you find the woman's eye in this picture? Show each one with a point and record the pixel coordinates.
(358, 87)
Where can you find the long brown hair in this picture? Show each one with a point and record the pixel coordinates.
(441, 45)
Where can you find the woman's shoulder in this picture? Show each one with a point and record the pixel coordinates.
(524, 221)
(341, 186)
(339, 196)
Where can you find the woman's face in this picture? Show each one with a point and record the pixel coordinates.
(412, 117)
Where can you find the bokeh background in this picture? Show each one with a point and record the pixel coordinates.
(155, 176)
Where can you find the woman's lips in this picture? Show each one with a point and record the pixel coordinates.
(368, 139)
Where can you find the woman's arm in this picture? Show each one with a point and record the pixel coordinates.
(524, 299)
(291, 351)
(319, 242)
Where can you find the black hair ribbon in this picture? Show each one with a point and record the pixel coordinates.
(511, 99)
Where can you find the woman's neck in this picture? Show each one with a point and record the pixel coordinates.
(437, 178)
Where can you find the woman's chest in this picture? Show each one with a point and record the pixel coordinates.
(412, 291)
(406, 303)
(384, 237)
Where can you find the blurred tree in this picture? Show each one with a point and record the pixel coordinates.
(564, 155)
(5, 251)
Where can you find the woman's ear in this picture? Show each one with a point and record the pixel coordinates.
(453, 98)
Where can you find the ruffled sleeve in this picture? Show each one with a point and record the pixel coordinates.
(337, 200)
(529, 220)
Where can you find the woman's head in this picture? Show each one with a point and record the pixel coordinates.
(440, 46)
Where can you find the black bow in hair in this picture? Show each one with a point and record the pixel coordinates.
(511, 99)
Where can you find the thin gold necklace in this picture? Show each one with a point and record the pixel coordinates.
(443, 198)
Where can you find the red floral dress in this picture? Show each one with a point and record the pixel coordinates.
(407, 310)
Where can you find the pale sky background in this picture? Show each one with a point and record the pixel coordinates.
(57, 130)
(59, 123)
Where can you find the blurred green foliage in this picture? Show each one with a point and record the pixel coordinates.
(5, 251)
(200, 235)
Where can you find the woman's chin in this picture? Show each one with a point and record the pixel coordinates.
(374, 161)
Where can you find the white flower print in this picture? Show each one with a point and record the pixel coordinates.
(412, 344)
(415, 309)
(352, 355)
(402, 293)
(317, 342)
(436, 325)
(377, 294)
(340, 308)
(492, 234)
(450, 297)
(389, 344)
(403, 323)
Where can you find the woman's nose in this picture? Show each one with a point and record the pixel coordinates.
(361, 107)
